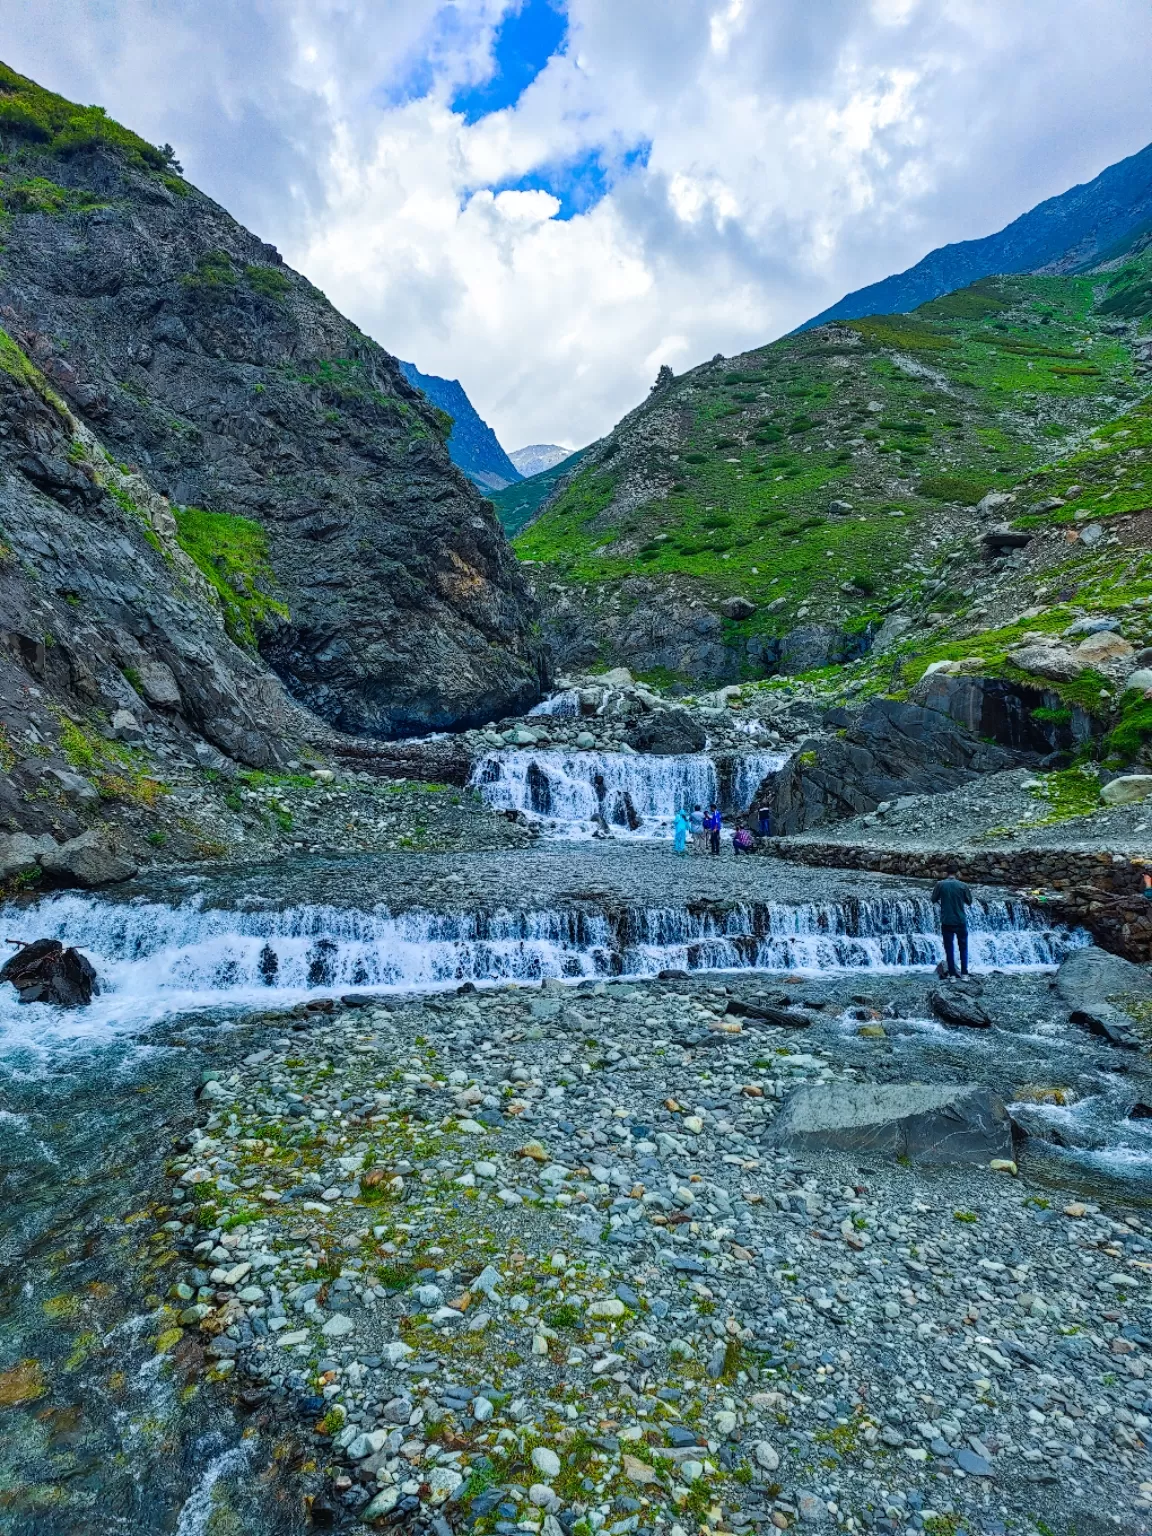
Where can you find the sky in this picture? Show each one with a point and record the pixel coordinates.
(549, 199)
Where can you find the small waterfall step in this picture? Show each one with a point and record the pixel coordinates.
(156, 959)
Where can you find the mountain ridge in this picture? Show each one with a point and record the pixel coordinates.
(472, 444)
(1065, 233)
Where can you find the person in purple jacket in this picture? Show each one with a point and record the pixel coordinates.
(713, 823)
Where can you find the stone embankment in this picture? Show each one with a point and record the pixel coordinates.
(1095, 890)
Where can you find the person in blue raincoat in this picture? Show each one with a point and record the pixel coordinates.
(680, 832)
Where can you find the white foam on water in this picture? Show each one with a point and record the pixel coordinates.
(156, 960)
(564, 705)
(576, 794)
(197, 1510)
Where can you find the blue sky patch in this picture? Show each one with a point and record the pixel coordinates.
(525, 40)
(579, 184)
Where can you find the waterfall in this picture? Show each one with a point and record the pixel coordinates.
(634, 794)
(566, 704)
(156, 960)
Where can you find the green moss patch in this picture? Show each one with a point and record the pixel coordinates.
(232, 552)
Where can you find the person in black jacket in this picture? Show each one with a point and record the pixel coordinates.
(953, 896)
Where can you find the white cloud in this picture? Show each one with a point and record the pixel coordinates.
(796, 151)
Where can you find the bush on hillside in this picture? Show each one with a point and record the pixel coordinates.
(966, 489)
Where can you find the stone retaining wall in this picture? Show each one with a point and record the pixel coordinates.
(1097, 891)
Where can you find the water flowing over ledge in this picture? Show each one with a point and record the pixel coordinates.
(577, 793)
(156, 960)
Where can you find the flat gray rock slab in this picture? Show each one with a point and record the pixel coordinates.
(1095, 986)
(925, 1122)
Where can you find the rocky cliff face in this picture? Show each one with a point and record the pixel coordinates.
(391, 603)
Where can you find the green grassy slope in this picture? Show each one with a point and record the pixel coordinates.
(725, 479)
(517, 504)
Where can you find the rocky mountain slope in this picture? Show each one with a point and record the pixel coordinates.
(766, 513)
(472, 444)
(1062, 234)
(305, 476)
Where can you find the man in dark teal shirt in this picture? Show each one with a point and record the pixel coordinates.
(953, 896)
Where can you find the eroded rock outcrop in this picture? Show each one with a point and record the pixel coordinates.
(193, 353)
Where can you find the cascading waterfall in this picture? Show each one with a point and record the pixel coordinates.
(576, 793)
(559, 705)
(156, 960)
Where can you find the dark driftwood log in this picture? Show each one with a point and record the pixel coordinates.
(45, 972)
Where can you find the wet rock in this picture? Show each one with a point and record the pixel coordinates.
(85, 861)
(1091, 982)
(954, 1008)
(45, 972)
(926, 1123)
(784, 1018)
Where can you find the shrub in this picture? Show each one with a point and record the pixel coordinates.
(965, 488)
(863, 582)
(29, 112)
(269, 282)
(213, 270)
(695, 458)
(725, 442)
(232, 552)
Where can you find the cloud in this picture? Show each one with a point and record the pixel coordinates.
(548, 200)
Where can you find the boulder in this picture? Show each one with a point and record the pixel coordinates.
(1139, 681)
(45, 972)
(737, 608)
(76, 789)
(925, 1122)
(85, 861)
(667, 733)
(619, 677)
(994, 500)
(807, 647)
(1056, 662)
(1127, 789)
(1090, 626)
(783, 1018)
(158, 685)
(840, 508)
(1104, 646)
(126, 727)
(20, 853)
(954, 1008)
(1094, 986)
(1007, 538)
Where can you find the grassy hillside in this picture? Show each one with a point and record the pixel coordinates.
(818, 475)
(517, 504)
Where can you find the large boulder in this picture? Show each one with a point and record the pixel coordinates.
(807, 647)
(1055, 662)
(1095, 986)
(667, 733)
(954, 1008)
(45, 972)
(158, 685)
(87, 862)
(925, 1122)
(1127, 789)
(1104, 647)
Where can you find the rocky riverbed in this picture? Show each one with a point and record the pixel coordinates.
(540, 1259)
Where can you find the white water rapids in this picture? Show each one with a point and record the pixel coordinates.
(576, 793)
(156, 960)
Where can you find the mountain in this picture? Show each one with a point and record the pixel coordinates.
(473, 445)
(306, 477)
(765, 513)
(539, 457)
(516, 505)
(1068, 233)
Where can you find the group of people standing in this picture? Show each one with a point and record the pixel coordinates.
(700, 830)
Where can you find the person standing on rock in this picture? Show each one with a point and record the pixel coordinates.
(764, 821)
(696, 823)
(713, 823)
(953, 896)
(680, 833)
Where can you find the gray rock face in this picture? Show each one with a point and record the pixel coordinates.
(1095, 985)
(668, 732)
(20, 853)
(189, 348)
(927, 1123)
(86, 862)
